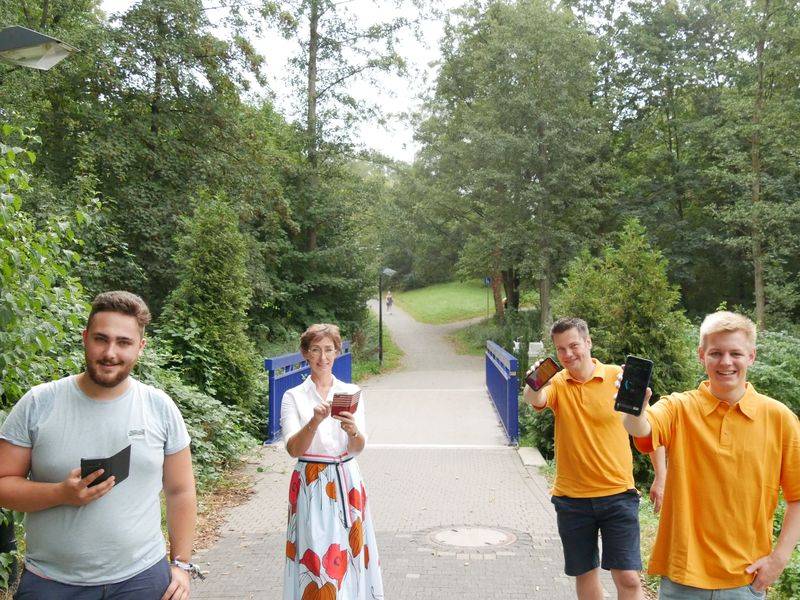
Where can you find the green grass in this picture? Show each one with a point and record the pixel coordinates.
(446, 302)
(365, 359)
(472, 339)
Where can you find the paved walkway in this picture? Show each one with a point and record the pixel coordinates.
(437, 459)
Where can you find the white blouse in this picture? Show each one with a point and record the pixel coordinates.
(297, 408)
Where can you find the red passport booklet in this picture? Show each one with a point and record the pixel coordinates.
(345, 403)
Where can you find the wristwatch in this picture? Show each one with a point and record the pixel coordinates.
(190, 568)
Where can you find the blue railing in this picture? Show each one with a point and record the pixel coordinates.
(503, 386)
(289, 370)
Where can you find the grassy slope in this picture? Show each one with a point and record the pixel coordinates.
(445, 302)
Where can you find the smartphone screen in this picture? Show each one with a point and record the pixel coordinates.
(633, 386)
(543, 373)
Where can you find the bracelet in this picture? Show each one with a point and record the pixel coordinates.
(190, 568)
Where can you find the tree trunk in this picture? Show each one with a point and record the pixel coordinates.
(311, 123)
(511, 286)
(755, 156)
(497, 294)
(545, 319)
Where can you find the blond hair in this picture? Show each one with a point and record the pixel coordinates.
(726, 321)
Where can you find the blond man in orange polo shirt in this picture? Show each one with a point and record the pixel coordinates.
(730, 450)
(593, 489)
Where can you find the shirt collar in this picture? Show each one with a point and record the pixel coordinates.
(312, 389)
(598, 373)
(748, 404)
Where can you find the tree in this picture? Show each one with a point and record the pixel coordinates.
(514, 143)
(336, 48)
(631, 307)
(205, 317)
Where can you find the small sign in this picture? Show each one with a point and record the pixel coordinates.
(487, 281)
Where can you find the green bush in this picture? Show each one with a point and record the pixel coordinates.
(205, 318)
(776, 371)
(42, 307)
(219, 433)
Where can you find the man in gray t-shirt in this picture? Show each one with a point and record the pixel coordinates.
(105, 537)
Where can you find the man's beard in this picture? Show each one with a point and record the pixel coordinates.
(107, 381)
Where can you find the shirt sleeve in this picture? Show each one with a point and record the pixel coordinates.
(17, 428)
(290, 418)
(177, 435)
(661, 417)
(790, 459)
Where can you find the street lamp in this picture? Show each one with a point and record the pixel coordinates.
(27, 48)
(389, 273)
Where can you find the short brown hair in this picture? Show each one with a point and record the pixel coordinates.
(567, 323)
(321, 330)
(728, 322)
(122, 302)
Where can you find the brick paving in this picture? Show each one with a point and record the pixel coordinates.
(437, 459)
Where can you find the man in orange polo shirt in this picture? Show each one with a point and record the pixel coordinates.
(730, 449)
(593, 490)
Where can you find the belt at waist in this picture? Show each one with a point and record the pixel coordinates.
(327, 460)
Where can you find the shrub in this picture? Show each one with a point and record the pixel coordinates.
(205, 318)
(219, 433)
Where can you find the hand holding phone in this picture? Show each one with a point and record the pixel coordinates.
(633, 385)
(542, 372)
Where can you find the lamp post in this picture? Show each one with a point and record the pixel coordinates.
(389, 273)
(24, 47)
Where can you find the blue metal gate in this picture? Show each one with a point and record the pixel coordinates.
(289, 370)
(503, 385)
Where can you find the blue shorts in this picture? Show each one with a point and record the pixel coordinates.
(150, 584)
(669, 590)
(615, 517)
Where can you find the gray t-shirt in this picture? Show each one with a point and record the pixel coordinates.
(119, 535)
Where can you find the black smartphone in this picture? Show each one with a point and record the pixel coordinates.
(542, 374)
(634, 384)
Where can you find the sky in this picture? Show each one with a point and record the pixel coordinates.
(394, 96)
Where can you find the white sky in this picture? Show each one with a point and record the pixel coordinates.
(397, 96)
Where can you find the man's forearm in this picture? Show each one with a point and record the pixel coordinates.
(659, 459)
(23, 495)
(636, 426)
(535, 399)
(181, 520)
(790, 531)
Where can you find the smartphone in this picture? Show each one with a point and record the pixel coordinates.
(542, 374)
(634, 384)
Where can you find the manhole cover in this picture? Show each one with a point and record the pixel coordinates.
(472, 537)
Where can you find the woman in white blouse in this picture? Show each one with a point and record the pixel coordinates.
(330, 541)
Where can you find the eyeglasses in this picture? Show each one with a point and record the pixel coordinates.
(316, 352)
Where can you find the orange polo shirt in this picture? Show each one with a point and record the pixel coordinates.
(725, 467)
(593, 452)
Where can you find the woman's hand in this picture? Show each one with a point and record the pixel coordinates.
(321, 412)
(348, 423)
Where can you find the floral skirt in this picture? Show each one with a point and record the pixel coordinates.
(330, 541)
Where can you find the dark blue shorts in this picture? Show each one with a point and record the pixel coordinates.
(150, 584)
(615, 517)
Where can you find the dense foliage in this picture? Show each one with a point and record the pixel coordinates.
(536, 145)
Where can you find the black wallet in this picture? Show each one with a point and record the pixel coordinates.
(117, 465)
